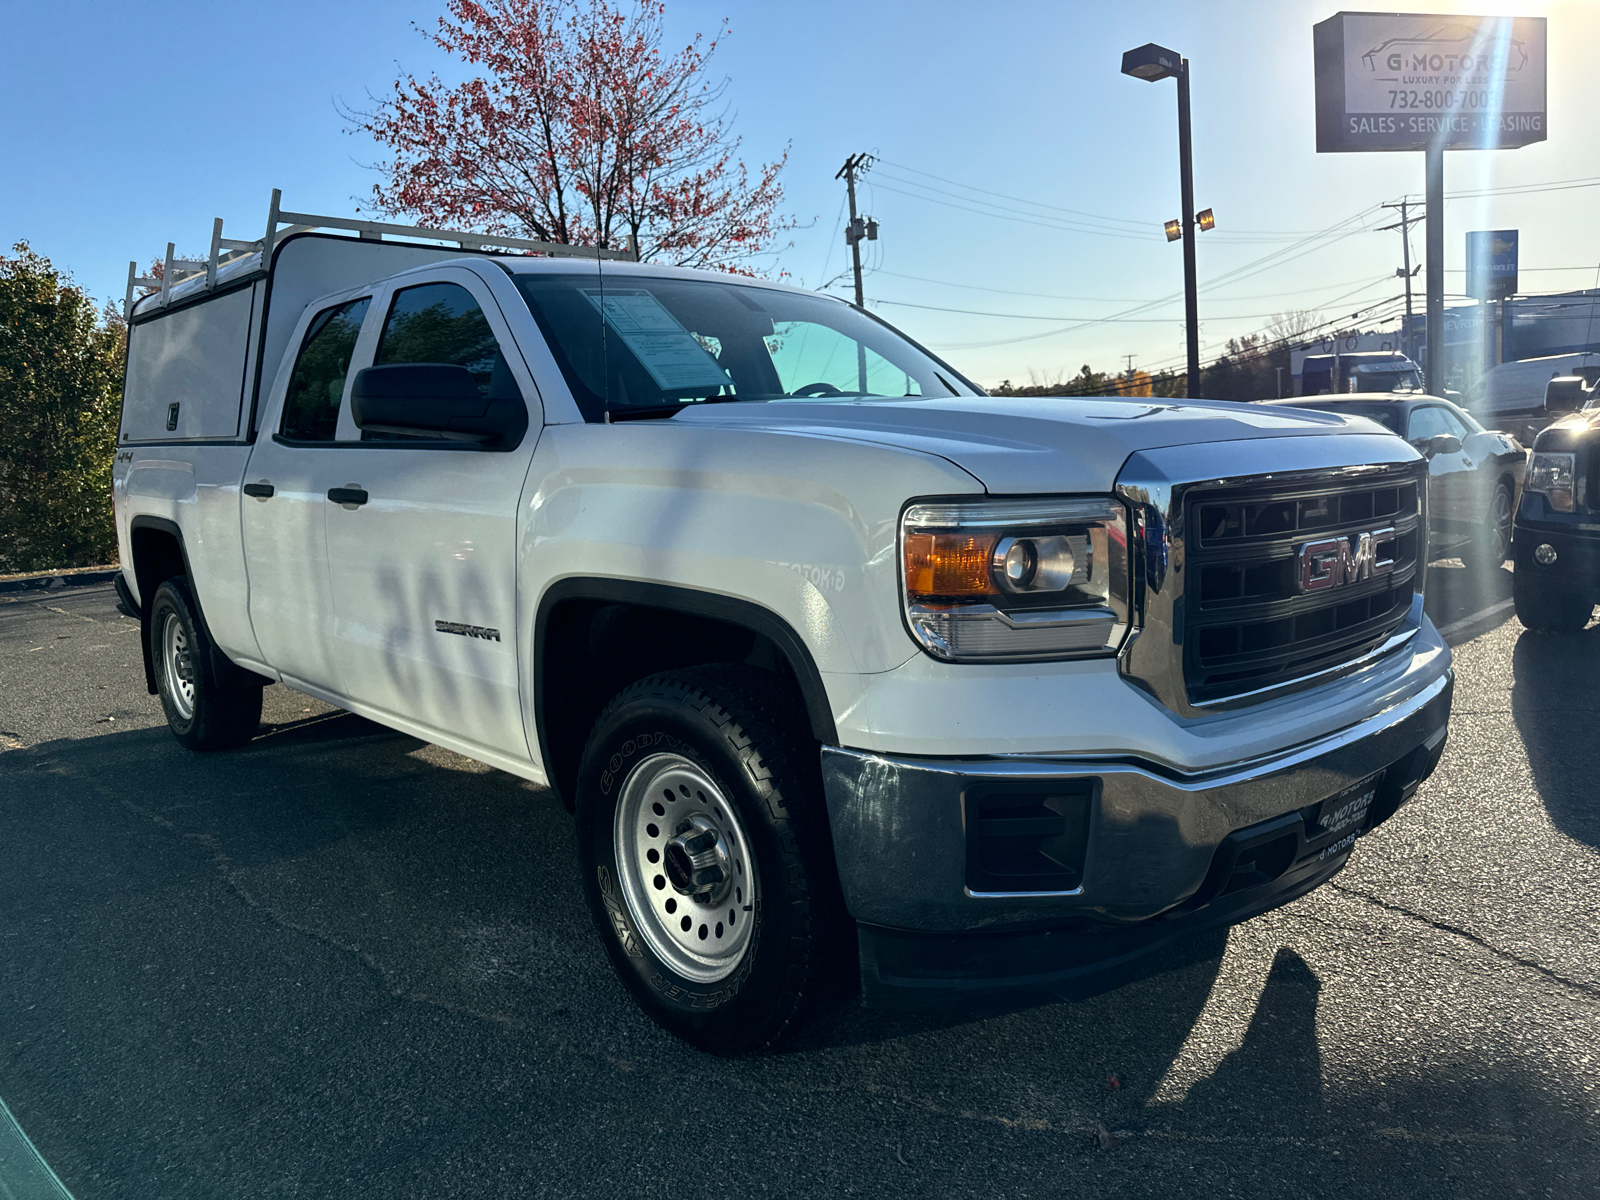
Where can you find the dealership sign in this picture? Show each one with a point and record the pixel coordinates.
(1411, 81)
(1492, 264)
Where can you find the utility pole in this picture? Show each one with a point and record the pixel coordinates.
(858, 229)
(1404, 225)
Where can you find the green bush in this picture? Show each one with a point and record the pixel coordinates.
(61, 367)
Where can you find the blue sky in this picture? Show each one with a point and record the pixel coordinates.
(126, 126)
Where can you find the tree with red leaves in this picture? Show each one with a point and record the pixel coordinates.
(576, 128)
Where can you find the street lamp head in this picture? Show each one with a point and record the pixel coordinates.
(1174, 230)
(1152, 62)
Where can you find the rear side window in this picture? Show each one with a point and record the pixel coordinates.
(440, 323)
(311, 409)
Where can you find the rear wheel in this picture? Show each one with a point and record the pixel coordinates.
(706, 859)
(201, 713)
(1492, 543)
(1549, 607)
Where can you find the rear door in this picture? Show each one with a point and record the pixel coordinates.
(422, 546)
(285, 493)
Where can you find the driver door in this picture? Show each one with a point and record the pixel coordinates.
(422, 549)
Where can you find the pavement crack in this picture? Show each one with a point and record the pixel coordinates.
(390, 979)
(1577, 985)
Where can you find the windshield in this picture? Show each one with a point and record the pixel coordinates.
(671, 342)
(1383, 414)
(1388, 379)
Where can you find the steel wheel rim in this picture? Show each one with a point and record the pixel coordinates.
(1502, 523)
(178, 665)
(666, 793)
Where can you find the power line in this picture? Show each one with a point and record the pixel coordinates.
(1137, 232)
(1019, 199)
(1330, 236)
(1525, 189)
(973, 312)
(1268, 347)
(1327, 287)
(1042, 220)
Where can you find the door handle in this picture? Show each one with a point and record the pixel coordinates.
(349, 496)
(261, 491)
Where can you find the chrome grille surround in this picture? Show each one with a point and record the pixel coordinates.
(1167, 489)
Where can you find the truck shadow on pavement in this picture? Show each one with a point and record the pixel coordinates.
(1556, 705)
(342, 954)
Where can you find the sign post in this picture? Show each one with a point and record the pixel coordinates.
(1429, 82)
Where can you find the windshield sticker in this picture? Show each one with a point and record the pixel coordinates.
(675, 360)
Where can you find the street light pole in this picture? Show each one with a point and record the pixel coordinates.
(1191, 299)
(1152, 62)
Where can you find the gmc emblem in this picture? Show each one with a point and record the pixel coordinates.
(1335, 562)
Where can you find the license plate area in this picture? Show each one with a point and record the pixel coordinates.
(1346, 814)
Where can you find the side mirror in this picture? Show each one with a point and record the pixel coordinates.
(1565, 393)
(438, 399)
(1443, 443)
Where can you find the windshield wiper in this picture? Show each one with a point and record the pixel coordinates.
(649, 412)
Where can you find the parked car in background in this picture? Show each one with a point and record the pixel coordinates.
(1474, 475)
(1557, 579)
(1510, 396)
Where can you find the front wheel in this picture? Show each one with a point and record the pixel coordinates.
(706, 859)
(201, 713)
(1548, 607)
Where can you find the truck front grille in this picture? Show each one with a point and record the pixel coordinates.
(1258, 615)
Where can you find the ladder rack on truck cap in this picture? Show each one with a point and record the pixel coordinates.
(206, 344)
(186, 276)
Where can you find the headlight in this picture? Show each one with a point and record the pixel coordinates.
(1013, 580)
(1553, 475)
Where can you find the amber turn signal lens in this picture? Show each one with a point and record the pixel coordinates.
(948, 564)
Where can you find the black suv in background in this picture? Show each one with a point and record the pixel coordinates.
(1557, 580)
(1474, 474)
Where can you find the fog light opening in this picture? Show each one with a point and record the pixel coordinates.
(1544, 554)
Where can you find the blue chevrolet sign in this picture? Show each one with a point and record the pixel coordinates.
(1492, 264)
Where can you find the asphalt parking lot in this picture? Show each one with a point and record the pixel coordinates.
(341, 962)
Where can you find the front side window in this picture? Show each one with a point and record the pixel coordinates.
(1430, 422)
(440, 323)
(316, 389)
(646, 342)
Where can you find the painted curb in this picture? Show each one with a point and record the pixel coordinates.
(47, 583)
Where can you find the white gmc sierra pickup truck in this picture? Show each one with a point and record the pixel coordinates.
(849, 671)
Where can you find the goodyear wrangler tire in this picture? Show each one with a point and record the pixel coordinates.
(201, 713)
(706, 860)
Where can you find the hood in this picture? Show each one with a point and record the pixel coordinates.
(1029, 444)
(1571, 430)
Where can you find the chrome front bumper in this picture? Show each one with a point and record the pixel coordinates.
(1154, 835)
